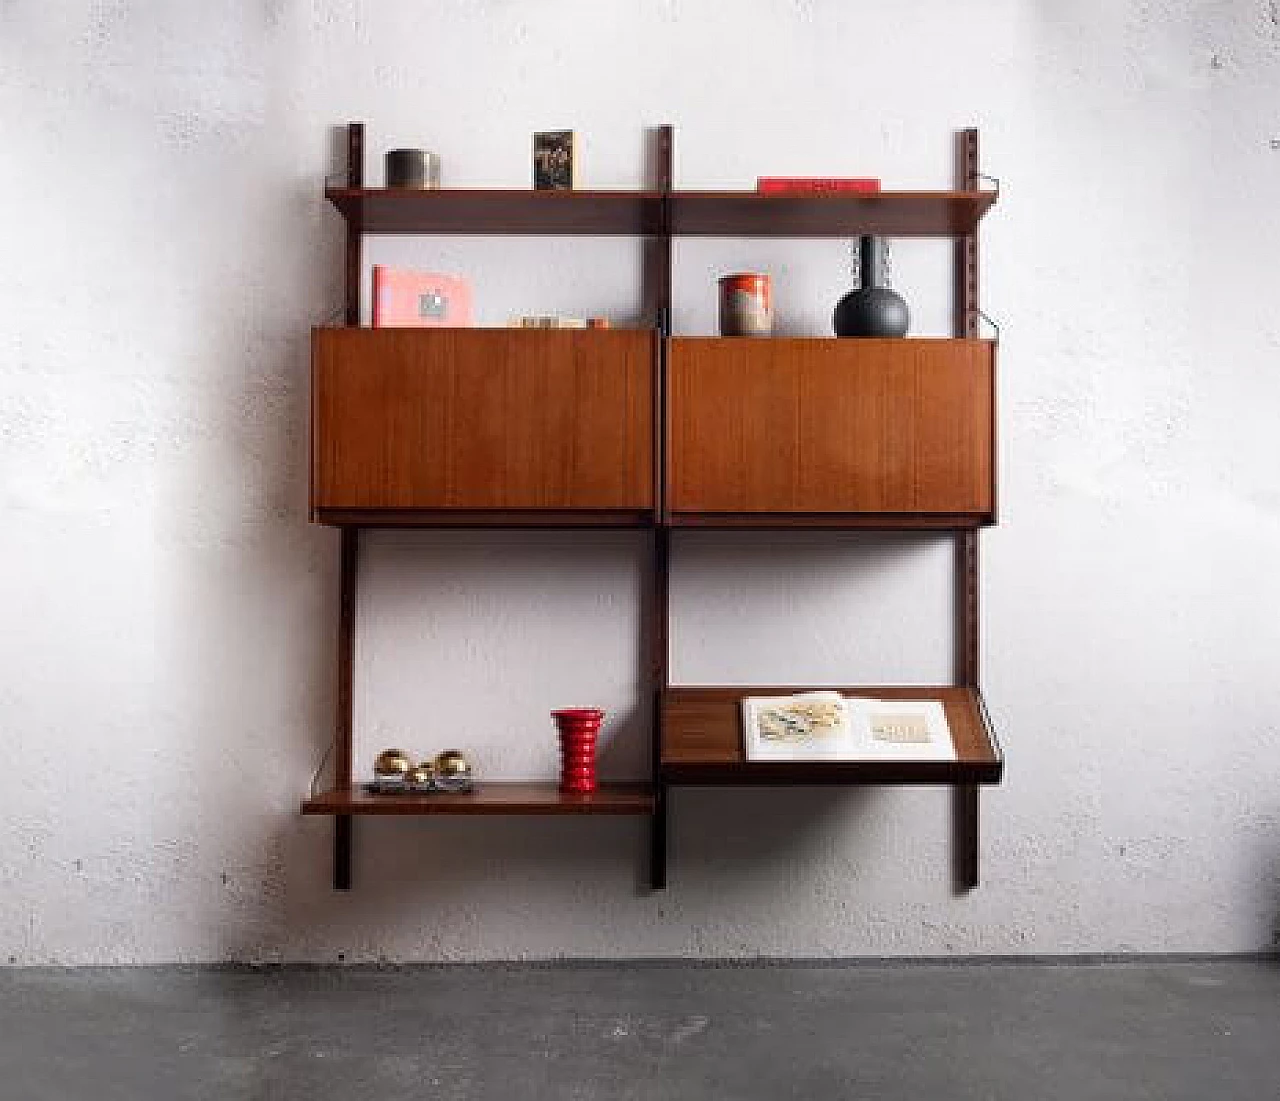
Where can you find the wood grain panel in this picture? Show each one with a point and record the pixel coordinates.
(812, 426)
(702, 741)
(482, 419)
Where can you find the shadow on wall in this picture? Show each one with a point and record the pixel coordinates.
(428, 888)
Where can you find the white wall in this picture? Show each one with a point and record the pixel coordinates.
(168, 624)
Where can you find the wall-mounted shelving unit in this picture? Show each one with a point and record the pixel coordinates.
(637, 428)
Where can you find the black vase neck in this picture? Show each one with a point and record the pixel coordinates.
(870, 262)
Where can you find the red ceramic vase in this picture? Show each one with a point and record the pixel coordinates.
(579, 728)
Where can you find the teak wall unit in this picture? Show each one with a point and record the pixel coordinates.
(637, 428)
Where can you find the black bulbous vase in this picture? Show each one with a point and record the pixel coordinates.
(871, 310)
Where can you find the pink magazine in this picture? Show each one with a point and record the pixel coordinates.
(419, 299)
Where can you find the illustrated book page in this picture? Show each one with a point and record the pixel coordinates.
(825, 726)
(904, 730)
(809, 726)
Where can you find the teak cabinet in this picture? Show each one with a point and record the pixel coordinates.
(433, 426)
(639, 428)
(898, 430)
(427, 422)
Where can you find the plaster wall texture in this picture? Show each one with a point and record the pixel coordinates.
(169, 617)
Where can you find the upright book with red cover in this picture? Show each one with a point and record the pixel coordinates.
(814, 185)
(419, 299)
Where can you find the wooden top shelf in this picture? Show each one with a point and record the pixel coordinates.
(702, 741)
(641, 213)
(494, 798)
(454, 210)
(840, 214)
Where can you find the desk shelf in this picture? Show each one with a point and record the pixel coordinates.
(702, 741)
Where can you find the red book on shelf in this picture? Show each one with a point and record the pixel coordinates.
(813, 185)
(419, 299)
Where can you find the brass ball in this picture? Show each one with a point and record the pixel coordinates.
(453, 762)
(423, 776)
(392, 764)
(453, 770)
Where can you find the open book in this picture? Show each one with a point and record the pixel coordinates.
(825, 726)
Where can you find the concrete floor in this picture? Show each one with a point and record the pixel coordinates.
(1130, 1031)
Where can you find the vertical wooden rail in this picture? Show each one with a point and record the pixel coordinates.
(342, 765)
(660, 680)
(343, 823)
(967, 816)
(656, 287)
(658, 294)
(355, 178)
(967, 633)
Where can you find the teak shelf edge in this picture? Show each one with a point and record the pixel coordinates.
(494, 797)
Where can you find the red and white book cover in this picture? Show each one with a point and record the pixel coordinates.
(404, 299)
(815, 185)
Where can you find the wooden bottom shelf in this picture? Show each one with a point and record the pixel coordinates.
(702, 741)
(494, 798)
